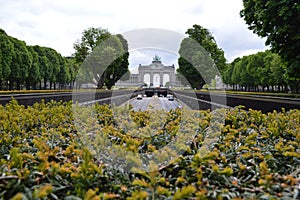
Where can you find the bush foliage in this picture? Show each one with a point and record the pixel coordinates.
(43, 154)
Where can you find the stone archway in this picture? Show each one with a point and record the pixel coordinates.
(157, 72)
(146, 79)
(166, 79)
(156, 80)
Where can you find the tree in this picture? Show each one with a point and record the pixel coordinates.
(263, 69)
(53, 65)
(246, 79)
(278, 21)
(200, 58)
(258, 71)
(20, 63)
(277, 70)
(102, 62)
(227, 74)
(6, 54)
(63, 75)
(195, 64)
(90, 39)
(119, 68)
(124, 72)
(72, 67)
(34, 75)
(236, 75)
(44, 65)
(186, 70)
(207, 41)
(104, 57)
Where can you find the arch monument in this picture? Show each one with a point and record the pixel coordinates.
(156, 72)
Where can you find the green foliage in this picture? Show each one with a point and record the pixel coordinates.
(6, 55)
(90, 39)
(277, 21)
(72, 69)
(184, 192)
(200, 58)
(195, 65)
(263, 69)
(64, 73)
(43, 156)
(34, 75)
(26, 66)
(54, 64)
(103, 57)
(207, 41)
(20, 63)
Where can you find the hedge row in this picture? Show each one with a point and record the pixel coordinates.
(62, 151)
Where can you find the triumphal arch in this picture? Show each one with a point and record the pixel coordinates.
(156, 73)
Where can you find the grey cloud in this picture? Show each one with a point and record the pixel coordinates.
(236, 38)
(18, 17)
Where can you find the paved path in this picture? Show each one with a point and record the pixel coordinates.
(154, 103)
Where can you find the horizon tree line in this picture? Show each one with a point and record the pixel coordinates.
(263, 71)
(32, 67)
(35, 67)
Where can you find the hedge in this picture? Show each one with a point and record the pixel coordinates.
(52, 151)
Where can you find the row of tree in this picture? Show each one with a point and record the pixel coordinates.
(278, 21)
(201, 60)
(258, 72)
(100, 58)
(103, 57)
(32, 67)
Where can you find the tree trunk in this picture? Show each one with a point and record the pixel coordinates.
(18, 85)
(10, 85)
(101, 80)
(297, 88)
(34, 86)
(27, 85)
(45, 84)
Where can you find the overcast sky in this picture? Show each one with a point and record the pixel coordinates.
(59, 23)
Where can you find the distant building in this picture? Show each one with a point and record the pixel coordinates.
(131, 82)
(154, 74)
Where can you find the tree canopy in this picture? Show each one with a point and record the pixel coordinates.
(278, 21)
(200, 58)
(6, 55)
(103, 57)
(37, 67)
(23, 66)
(260, 71)
(90, 39)
(204, 37)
